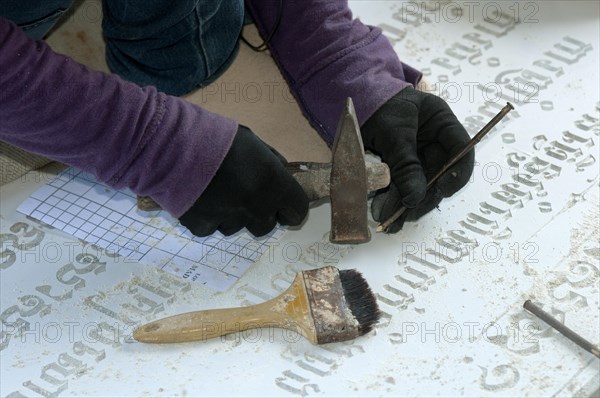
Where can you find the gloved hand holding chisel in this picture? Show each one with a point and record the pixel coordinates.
(416, 133)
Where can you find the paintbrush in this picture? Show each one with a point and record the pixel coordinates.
(324, 305)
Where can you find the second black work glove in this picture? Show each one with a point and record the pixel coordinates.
(416, 133)
(251, 189)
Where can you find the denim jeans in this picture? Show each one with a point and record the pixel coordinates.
(176, 46)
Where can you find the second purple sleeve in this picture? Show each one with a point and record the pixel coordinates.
(326, 56)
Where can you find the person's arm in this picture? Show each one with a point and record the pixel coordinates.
(326, 55)
(202, 168)
(156, 145)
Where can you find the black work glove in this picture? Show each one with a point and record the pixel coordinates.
(251, 189)
(416, 133)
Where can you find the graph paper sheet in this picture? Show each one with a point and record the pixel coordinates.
(80, 206)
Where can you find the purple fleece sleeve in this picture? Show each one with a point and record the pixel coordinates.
(327, 56)
(156, 145)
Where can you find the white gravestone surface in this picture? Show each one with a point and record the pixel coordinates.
(450, 286)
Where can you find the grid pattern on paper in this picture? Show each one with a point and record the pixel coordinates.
(80, 206)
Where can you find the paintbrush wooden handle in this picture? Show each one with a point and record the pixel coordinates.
(290, 310)
(208, 324)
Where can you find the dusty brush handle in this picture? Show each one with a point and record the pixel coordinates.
(208, 324)
(315, 178)
(290, 310)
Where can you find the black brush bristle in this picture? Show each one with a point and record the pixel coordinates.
(360, 300)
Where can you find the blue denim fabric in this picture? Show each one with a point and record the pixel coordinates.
(35, 17)
(176, 46)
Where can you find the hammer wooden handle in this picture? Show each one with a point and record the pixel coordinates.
(314, 178)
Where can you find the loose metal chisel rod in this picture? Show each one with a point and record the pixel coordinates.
(565, 331)
(383, 227)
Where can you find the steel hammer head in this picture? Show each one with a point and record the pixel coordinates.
(349, 189)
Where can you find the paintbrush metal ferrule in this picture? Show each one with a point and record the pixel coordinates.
(383, 227)
(342, 305)
(324, 305)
